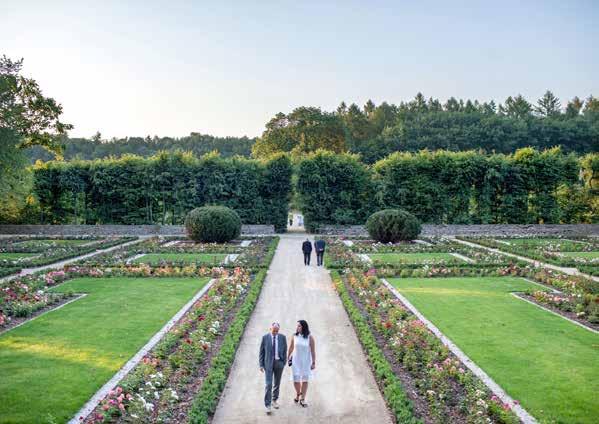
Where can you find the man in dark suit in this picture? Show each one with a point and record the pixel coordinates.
(319, 246)
(273, 353)
(307, 249)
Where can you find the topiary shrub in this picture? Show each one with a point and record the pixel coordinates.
(213, 224)
(392, 225)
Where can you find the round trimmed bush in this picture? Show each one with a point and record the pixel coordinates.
(392, 225)
(213, 224)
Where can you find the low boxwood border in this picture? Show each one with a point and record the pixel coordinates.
(390, 385)
(208, 397)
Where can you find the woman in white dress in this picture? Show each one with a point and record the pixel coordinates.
(302, 357)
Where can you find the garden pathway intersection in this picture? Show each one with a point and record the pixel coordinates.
(343, 390)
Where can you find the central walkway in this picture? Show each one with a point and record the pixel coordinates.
(344, 389)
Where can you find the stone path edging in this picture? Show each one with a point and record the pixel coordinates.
(484, 377)
(95, 400)
(555, 313)
(551, 289)
(134, 257)
(565, 270)
(462, 257)
(60, 264)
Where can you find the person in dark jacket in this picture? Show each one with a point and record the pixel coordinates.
(319, 246)
(307, 249)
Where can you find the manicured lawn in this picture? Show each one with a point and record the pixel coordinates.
(413, 258)
(547, 363)
(207, 258)
(13, 256)
(55, 363)
(585, 255)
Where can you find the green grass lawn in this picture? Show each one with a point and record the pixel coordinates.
(55, 363)
(207, 258)
(547, 363)
(585, 255)
(413, 258)
(13, 256)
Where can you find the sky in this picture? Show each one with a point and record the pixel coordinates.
(137, 68)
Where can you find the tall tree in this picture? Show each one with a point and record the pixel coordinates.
(27, 118)
(548, 105)
(516, 107)
(591, 108)
(304, 130)
(574, 107)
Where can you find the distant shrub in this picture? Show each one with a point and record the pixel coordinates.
(213, 224)
(392, 225)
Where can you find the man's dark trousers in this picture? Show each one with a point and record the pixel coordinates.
(273, 382)
(307, 258)
(273, 367)
(319, 257)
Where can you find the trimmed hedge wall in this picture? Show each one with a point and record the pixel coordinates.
(162, 189)
(445, 187)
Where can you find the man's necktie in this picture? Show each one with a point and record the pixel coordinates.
(273, 348)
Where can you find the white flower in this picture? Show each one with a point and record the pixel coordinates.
(156, 395)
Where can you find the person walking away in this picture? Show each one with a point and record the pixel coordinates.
(307, 249)
(271, 359)
(319, 245)
(302, 359)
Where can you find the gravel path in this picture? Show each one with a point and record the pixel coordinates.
(344, 389)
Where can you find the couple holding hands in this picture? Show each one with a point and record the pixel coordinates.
(274, 355)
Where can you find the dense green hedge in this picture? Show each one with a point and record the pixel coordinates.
(449, 187)
(333, 189)
(162, 189)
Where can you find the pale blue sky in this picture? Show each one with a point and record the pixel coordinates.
(130, 68)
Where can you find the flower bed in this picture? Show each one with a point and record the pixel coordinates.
(48, 254)
(23, 297)
(547, 250)
(256, 255)
(161, 387)
(449, 390)
(581, 294)
(157, 245)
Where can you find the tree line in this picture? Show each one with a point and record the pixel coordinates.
(376, 131)
(97, 148)
(456, 125)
